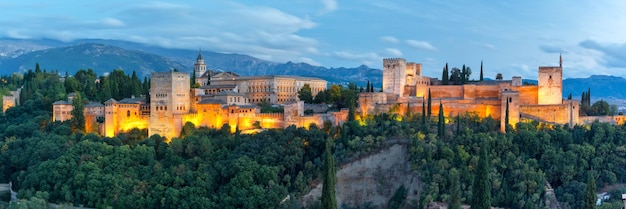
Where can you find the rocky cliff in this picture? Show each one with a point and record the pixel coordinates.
(373, 180)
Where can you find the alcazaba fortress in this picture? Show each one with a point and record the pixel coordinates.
(227, 98)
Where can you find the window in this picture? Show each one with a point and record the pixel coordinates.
(128, 113)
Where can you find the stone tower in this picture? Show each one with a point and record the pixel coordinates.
(169, 100)
(394, 75)
(110, 117)
(550, 85)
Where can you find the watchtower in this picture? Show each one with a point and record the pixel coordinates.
(394, 75)
(169, 100)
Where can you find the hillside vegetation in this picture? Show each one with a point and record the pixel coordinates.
(211, 168)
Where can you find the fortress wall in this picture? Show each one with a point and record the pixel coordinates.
(615, 120)
(471, 91)
(483, 108)
(316, 107)
(527, 94)
(547, 113)
(454, 91)
(368, 101)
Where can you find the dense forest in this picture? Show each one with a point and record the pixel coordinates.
(212, 168)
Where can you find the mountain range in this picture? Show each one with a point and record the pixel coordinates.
(19, 55)
(105, 55)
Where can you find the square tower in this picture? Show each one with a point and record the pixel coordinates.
(394, 75)
(550, 85)
(169, 100)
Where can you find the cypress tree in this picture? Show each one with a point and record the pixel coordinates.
(424, 127)
(444, 75)
(441, 125)
(367, 87)
(590, 193)
(454, 201)
(458, 125)
(429, 104)
(481, 188)
(192, 81)
(78, 118)
(481, 70)
(506, 116)
(329, 199)
(589, 96)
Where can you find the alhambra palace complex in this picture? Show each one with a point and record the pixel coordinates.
(226, 98)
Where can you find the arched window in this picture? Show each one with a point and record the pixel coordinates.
(128, 113)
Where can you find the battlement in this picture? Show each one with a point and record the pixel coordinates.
(390, 61)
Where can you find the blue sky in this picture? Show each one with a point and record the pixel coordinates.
(511, 37)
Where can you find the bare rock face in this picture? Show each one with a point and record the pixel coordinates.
(373, 180)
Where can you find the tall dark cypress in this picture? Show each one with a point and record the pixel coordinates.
(329, 199)
(441, 128)
(444, 75)
(454, 201)
(589, 96)
(481, 188)
(481, 70)
(590, 193)
(367, 87)
(429, 104)
(424, 127)
(506, 116)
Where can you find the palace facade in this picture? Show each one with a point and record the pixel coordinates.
(222, 98)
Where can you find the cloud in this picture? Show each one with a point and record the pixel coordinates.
(356, 57)
(389, 39)
(551, 49)
(330, 5)
(309, 61)
(422, 45)
(112, 22)
(394, 52)
(613, 55)
(489, 46)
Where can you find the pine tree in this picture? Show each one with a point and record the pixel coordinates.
(329, 199)
(454, 201)
(429, 104)
(441, 124)
(590, 193)
(481, 188)
(481, 70)
(78, 118)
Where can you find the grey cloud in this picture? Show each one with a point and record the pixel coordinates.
(614, 55)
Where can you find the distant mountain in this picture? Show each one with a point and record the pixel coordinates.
(106, 55)
(101, 58)
(601, 86)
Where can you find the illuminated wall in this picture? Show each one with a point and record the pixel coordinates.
(7, 102)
